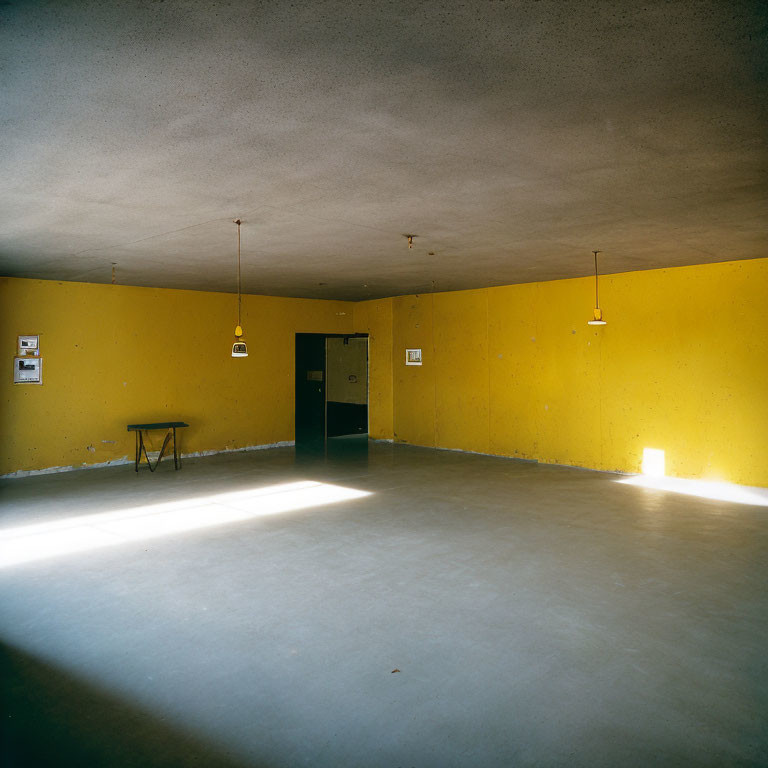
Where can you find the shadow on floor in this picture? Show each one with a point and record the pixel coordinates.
(49, 718)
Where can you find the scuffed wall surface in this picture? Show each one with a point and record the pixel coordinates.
(414, 386)
(681, 366)
(114, 355)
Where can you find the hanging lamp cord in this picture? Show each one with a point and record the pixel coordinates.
(237, 221)
(597, 304)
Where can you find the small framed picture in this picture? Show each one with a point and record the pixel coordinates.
(27, 370)
(413, 357)
(29, 344)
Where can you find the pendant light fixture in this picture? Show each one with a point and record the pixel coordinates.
(597, 314)
(239, 348)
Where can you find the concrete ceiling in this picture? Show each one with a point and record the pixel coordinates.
(512, 138)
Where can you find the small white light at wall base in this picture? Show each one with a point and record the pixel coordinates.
(653, 462)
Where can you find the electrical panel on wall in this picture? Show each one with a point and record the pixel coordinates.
(27, 370)
(28, 365)
(29, 345)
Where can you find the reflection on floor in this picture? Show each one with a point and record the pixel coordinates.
(350, 449)
(535, 616)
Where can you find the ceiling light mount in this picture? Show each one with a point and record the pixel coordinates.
(597, 313)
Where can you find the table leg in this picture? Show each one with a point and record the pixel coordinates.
(162, 449)
(138, 451)
(143, 448)
(175, 452)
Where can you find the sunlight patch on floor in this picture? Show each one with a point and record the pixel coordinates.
(705, 489)
(29, 543)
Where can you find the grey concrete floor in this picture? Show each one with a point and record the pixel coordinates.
(538, 616)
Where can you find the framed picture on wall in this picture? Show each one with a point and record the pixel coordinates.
(413, 357)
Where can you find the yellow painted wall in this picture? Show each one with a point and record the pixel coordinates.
(375, 319)
(114, 355)
(414, 403)
(686, 364)
(682, 365)
(346, 370)
(461, 391)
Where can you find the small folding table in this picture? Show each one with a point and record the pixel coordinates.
(171, 426)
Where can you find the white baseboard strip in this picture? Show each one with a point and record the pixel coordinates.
(152, 455)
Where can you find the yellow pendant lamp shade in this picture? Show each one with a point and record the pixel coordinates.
(597, 319)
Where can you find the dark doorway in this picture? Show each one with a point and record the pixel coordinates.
(310, 387)
(331, 386)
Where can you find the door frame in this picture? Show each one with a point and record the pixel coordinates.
(325, 337)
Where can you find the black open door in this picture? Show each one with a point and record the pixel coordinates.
(310, 387)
